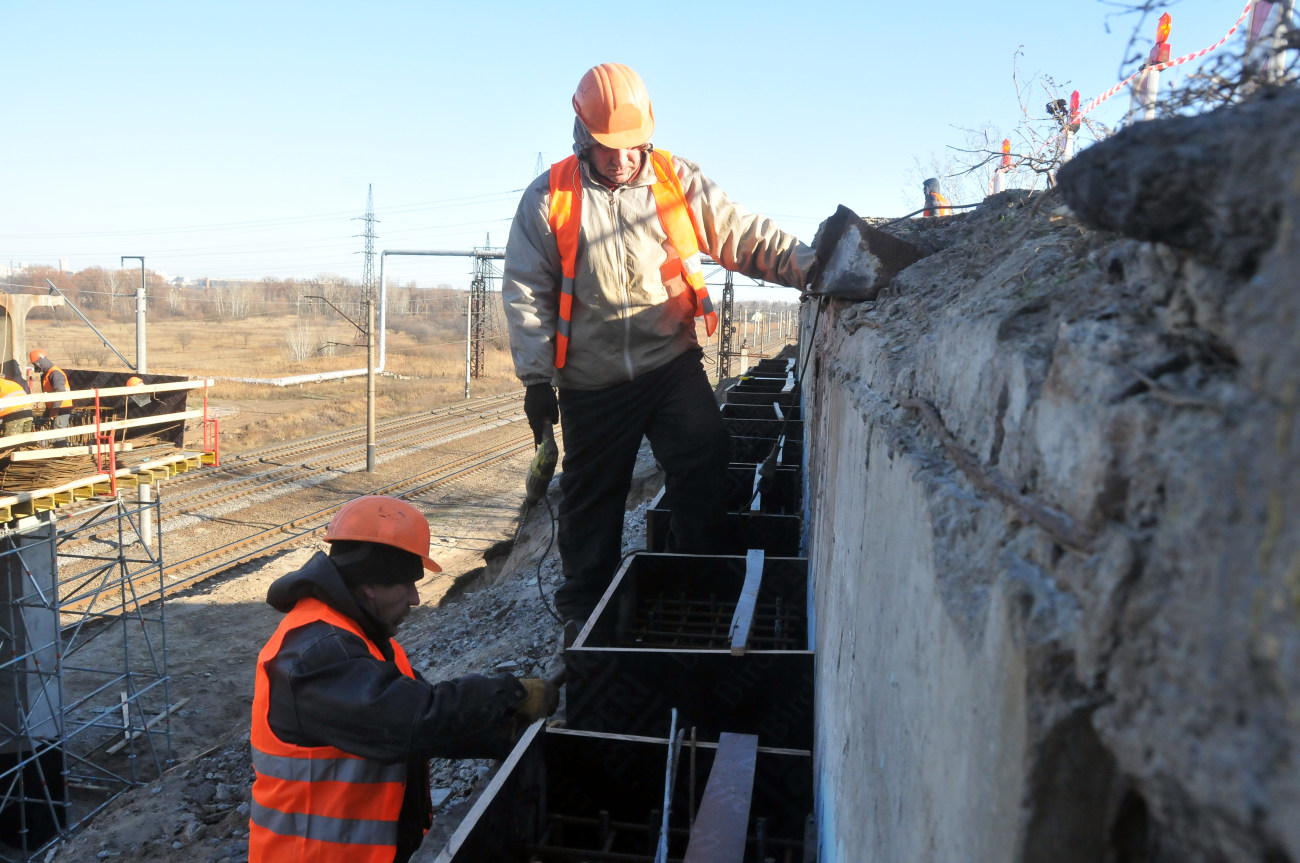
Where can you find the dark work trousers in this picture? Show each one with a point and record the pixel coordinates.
(674, 407)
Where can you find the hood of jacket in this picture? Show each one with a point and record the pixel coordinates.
(319, 579)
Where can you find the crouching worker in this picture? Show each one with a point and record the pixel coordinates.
(343, 727)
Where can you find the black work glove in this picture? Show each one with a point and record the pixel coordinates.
(540, 406)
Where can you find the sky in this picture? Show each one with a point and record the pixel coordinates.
(238, 139)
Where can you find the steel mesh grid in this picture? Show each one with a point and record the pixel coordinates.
(685, 622)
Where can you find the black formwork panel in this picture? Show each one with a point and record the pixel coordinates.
(770, 368)
(761, 385)
(775, 534)
(752, 450)
(760, 398)
(765, 411)
(773, 428)
(779, 495)
(660, 638)
(133, 407)
(566, 795)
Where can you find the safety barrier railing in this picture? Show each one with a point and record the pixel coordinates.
(103, 431)
(1144, 84)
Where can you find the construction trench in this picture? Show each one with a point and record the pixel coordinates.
(670, 685)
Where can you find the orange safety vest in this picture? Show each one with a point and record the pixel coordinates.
(9, 388)
(675, 215)
(47, 386)
(319, 804)
(940, 203)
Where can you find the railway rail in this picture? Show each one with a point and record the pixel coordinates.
(254, 505)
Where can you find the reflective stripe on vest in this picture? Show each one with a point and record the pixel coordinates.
(675, 215)
(47, 386)
(319, 803)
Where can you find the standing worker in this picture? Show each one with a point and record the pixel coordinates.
(935, 203)
(601, 287)
(53, 380)
(343, 727)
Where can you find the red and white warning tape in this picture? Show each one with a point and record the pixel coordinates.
(1165, 65)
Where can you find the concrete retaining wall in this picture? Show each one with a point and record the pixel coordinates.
(1053, 479)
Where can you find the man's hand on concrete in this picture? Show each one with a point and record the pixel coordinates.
(540, 406)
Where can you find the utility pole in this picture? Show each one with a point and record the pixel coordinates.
(141, 365)
(478, 312)
(726, 329)
(368, 293)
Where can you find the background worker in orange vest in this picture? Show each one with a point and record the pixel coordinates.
(53, 380)
(15, 419)
(343, 726)
(935, 203)
(602, 285)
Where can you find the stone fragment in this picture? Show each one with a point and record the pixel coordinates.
(1211, 185)
(857, 260)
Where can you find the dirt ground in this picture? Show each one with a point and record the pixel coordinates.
(198, 810)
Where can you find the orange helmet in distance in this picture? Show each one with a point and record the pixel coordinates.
(35, 355)
(134, 381)
(385, 520)
(612, 102)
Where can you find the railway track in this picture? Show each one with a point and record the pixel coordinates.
(256, 504)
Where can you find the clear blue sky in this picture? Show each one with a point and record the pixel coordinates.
(237, 139)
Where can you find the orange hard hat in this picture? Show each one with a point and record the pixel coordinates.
(385, 520)
(612, 102)
(134, 381)
(35, 355)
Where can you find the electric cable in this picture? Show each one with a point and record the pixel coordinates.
(550, 609)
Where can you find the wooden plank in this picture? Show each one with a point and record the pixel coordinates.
(744, 616)
(64, 451)
(722, 824)
(104, 392)
(95, 483)
(150, 724)
(77, 431)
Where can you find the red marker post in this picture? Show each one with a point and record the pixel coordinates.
(1146, 88)
(1000, 175)
(1071, 126)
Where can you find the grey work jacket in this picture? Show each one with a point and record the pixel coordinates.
(632, 310)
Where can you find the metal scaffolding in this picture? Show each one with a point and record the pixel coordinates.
(84, 691)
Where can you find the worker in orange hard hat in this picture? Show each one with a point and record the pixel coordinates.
(343, 725)
(935, 203)
(134, 381)
(53, 380)
(603, 286)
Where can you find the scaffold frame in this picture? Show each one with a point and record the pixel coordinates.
(85, 699)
